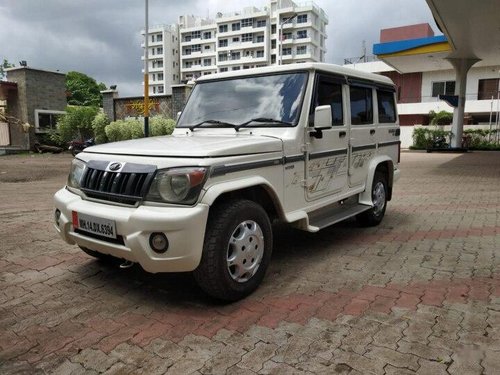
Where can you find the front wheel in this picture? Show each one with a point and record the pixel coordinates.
(237, 250)
(374, 215)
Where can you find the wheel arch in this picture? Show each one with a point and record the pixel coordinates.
(385, 165)
(256, 189)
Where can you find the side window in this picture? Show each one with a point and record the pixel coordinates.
(361, 105)
(386, 107)
(330, 93)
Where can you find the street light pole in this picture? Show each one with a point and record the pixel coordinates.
(280, 61)
(146, 75)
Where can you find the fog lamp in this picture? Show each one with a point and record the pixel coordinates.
(158, 242)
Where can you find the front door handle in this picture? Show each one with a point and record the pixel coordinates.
(372, 131)
(342, 134)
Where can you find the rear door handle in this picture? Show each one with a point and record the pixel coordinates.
(342, 134)
(372, 131)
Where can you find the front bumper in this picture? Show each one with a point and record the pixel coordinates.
(183, 226)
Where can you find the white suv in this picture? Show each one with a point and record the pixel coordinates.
(307, 144)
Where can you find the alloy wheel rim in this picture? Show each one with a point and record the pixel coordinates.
(378, 198)
(245, 251)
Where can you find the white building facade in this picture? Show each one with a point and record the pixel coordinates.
(163, 58)
(239, 40)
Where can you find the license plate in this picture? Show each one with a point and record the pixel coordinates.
(95, 225)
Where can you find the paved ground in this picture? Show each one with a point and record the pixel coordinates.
(420, 293)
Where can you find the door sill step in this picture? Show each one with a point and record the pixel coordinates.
(335, 213)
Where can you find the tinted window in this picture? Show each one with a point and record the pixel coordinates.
(241, 99)
(386, 107)
(330, 93)
(361, 105)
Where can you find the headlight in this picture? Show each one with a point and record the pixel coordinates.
(76, 173)
(178, 185)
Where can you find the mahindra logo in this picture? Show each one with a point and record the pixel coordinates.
(115, 166)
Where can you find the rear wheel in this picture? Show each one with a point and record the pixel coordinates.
(375, 214)
(237, 250)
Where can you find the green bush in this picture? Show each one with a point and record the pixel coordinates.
(99, 124)
(75, 124)
(122, 130)
(440, 118)
(424, 137)
(160, 125)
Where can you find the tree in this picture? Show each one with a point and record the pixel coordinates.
(76, 123)
(83, 90)
(3, 66)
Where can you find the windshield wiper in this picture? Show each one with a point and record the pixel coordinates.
(262, 119)
(217, 122)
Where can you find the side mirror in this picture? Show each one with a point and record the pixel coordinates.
(178, 115)
(322, 120)
(323, 117)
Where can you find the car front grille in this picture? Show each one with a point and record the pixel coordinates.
(128, 185)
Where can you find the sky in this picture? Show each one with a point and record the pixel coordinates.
(101, 38)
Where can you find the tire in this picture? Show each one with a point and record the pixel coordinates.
(95, 254)
(236, 251)
(374, 215)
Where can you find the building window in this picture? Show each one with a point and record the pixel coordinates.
(273, 43)
(302, 18)
(236, 39)
(207, 62)
(206, 47)
(273, 59)
(301, 50)
(196, 47)
(187, 51)
(160, 90)
(301, 34)
(223, 43)
(207, 73)
(223, 70)
(260, 39)
(443, 88)
(235, 68)
(287, 36)
(160, 76)
(46, 120)
(246, 22)
(261, 23)
(488, 88)
(222, 56)
(207, 35)
(222, 28)
(189, 64)
(273, 29)
(154, 89)
(247, 37)
(159, 50)
(196, 34)
(159, 38)
(235, 26)
(187, 38)
(386, 107)
(260, 53)
(235, 55)
(287, 51)
(361, 105)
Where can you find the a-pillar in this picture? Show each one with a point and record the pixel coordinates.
(462, 66)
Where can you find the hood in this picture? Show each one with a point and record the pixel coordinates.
(192, 146)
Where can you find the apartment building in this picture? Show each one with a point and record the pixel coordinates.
(163, 58)
(241, 40)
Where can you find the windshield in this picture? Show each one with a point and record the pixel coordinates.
(243, 99)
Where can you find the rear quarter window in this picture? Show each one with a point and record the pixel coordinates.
(386, 106)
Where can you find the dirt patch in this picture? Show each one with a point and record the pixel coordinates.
(33, 167)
